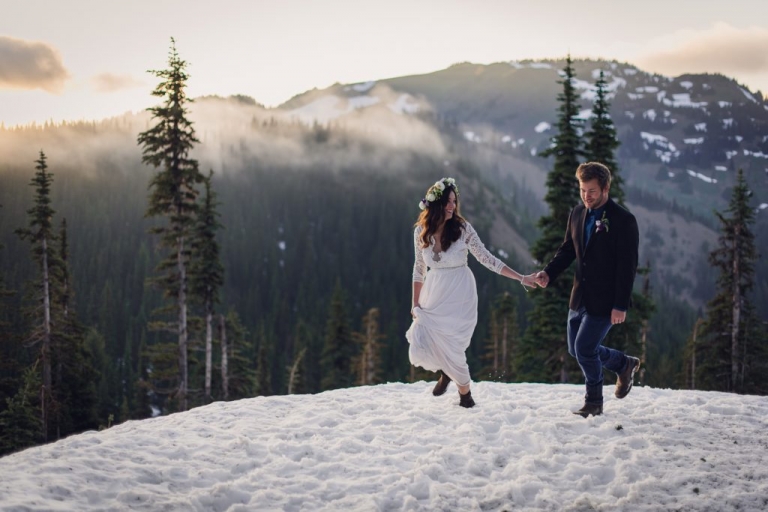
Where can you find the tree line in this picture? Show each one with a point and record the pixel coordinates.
(170, 328)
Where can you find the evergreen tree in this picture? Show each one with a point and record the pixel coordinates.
(75, 378)
(263, 373)
(206, 272)
(241, 356)
(20, 422)
(602, 140)
(367, 364)
(601, 145)
(543, 352)
(504, 339)
(41, 235)
(732, 346)
(173, 195)
(336, 359)
(4, 292)
(10, 364)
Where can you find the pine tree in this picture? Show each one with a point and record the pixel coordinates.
(336, 359)
(75, 378)
(263, 372)
(41, 235)
(4, 292)
(504, 340)
(601, 144)
(732, 345)
(241, 355)
(173, 195)
(367, 364)
(206, 271)
(602, 140)
(543, 352)
(20, 423)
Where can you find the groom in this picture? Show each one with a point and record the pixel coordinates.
(602, 237)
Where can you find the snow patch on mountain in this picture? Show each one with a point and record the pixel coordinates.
(701, 176)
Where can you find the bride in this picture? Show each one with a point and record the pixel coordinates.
(445, 297)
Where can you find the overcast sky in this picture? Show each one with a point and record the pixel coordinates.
(87, 59)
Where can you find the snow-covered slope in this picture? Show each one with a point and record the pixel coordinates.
(396, 447)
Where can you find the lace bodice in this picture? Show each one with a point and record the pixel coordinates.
(455, 256)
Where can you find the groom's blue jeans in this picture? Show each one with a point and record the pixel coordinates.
(585, 338)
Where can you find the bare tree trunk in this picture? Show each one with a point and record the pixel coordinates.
(182, 300)
(208, 350)
(504, 343)
(736, 312)
(370, 345)
(293, 375)
(644, 350)
(224, 357)
(45, 393)
(693, 352)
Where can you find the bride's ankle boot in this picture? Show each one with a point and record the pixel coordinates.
(442, 384)
(466, 400)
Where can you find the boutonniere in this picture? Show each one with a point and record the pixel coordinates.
(603, 224)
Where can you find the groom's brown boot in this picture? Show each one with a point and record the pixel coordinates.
(442, 384)
(625, 378)
(589, 409)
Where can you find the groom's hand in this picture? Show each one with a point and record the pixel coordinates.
(542, 279)
(618, 317)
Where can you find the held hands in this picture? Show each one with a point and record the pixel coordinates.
(541, 279)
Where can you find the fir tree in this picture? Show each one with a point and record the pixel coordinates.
(602, 140)
(504, 339)
(732, 347)
(543, 351)
(367, 363)
(75, 378)
(20, 422)
(336, 359)
(41, 235)
(173, 195)
(206, 272)
(263, 373)
(241, 355)
(601, 144)
(4, 292)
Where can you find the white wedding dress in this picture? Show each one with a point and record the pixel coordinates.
(446, 318)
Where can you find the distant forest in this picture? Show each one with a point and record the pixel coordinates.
(312, 254)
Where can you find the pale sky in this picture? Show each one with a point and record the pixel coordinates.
(87, 59)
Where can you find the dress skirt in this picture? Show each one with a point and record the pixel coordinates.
(444, 323)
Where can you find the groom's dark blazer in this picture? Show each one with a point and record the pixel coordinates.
(606, 267)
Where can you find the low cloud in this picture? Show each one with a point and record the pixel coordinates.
(109, 82)
(30, 65)
(722, 48)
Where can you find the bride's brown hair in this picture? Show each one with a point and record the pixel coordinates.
(431, 217)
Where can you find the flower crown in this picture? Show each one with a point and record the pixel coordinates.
(436, 191)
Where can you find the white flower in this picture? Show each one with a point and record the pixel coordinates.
(431, 197)
(422, 205)
(450, 180)
(439, 186)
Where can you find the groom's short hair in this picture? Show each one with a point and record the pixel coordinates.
(589, 171)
